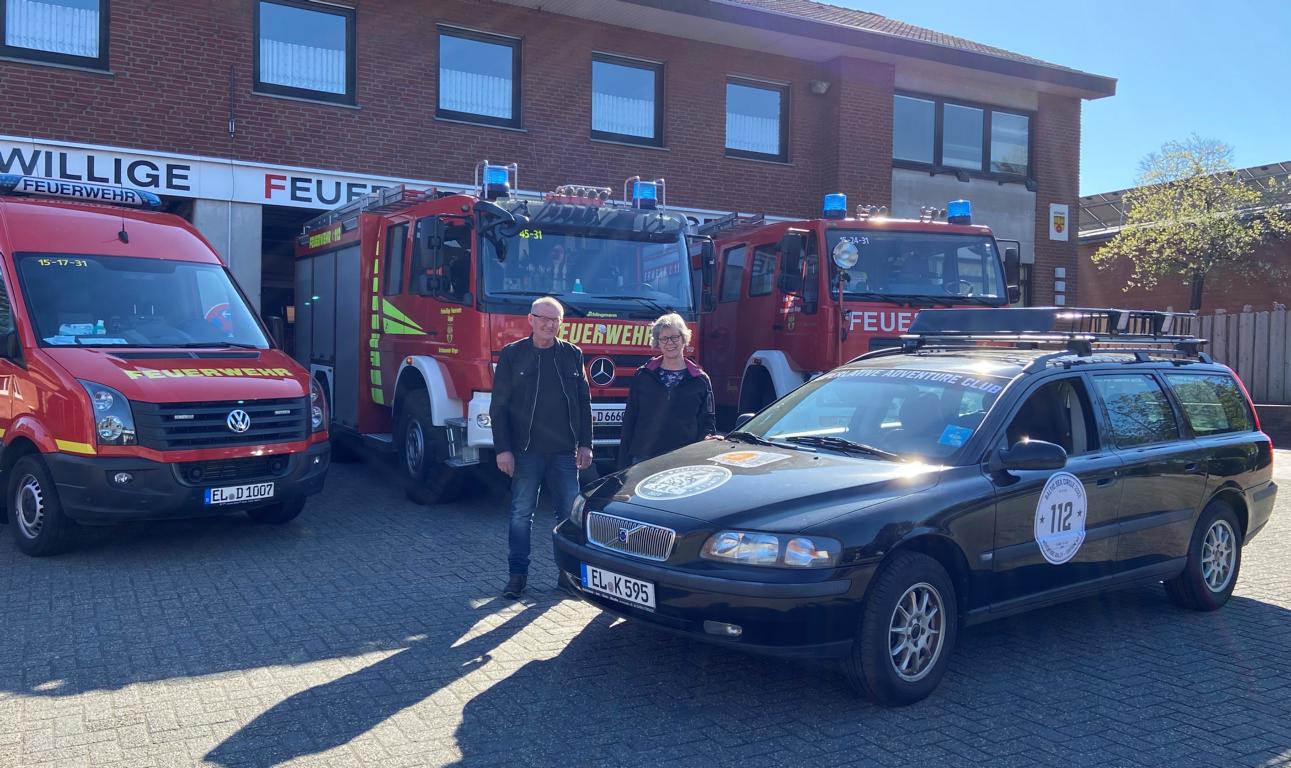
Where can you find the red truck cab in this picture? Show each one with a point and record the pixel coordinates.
(135, 380)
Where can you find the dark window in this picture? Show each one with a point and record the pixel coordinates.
(59, 31)
(1058, 413)
(1212, 404)
(811, 277)
(479, 78)
(1010, 143)
(6, 308)
(762, 273)
(305, 50)
(913, 128)
(1137, 409)
(627, 100)
(757, 120)
(396, 245)
(929, 132)
(733, 273)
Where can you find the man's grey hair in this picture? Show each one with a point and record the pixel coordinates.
(547, 301)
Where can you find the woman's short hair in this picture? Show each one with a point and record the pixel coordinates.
(669, 322)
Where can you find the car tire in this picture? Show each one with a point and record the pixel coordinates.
(277, 514)
(40, 528)
(1214, 561)
(912, 596)
(427, 480)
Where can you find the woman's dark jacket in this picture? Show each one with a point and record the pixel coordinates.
(659, 419)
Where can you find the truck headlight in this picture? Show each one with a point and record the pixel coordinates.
(317, 407)
(111, 414)
(751, 548)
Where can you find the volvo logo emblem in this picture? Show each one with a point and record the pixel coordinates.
(626, 533)
(239, 421)
(601, 371)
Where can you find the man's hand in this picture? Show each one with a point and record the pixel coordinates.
(584, 457)
(507, 463)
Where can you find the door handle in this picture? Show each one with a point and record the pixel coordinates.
(1192, 468)
(1106, 480)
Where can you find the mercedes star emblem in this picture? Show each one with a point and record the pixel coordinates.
(602, 371)
(239, 421)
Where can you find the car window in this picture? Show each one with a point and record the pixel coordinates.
(732, 273)
(762, 275)
(1211, 403)
(1058, 413)
(1137, 409)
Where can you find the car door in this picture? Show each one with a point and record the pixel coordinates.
(1055, 529)
(1164, 473)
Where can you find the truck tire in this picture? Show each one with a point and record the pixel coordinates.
(277, 514)
(420, 447)
(36, 514)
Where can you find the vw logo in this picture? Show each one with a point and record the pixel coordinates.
(239, 421)
(601, 371)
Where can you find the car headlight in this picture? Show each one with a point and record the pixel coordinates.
(111, 414)
(576, 511)
(317, 407)
(750, 548)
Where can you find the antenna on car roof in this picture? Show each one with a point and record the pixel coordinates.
(123, 235)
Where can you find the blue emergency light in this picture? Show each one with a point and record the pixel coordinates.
(836, 205)
(959, 212)
(13, 183)
(645, 194)
(497, 181)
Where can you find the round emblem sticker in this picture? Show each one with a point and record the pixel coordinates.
(680, 482)
(1060, 518)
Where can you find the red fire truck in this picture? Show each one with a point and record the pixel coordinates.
(783, 314)
(405, 298)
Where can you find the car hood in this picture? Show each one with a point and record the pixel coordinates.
(740, 485)
(178, 376)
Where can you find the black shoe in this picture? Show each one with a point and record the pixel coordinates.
(515, 585)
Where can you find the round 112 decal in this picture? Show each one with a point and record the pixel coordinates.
(1060, 518)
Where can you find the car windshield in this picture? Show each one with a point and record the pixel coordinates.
(908, 412)
(86, 300)
(916, 264)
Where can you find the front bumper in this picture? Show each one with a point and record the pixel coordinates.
(814, 618)
(158, 491)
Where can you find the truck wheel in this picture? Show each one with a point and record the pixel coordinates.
(39, 526)
(907, 632)
(276, 514)
(1214, 560)
(420, 444)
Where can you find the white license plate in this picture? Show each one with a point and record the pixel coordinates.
(236, 494)
(608, 415)
(616, 586)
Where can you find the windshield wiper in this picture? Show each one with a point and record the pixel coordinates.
(651, 303)
(210, 345)
(748, 437)
(843, 444)
(569, 308)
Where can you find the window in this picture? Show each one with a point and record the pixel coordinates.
(6, 308)
(396, 245)
(757, 117)
(479, 78)
(305, 50)
(929, 132)
(1057, 413)
(626, 100)
(1137, 409)
(762, 275)
(59, 31)
(1211, 404)
(733, 273)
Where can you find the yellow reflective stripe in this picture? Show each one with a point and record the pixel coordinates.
(73, 447)
(378, 396)
(392, 313)
(2, 431)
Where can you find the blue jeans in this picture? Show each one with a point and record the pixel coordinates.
(558, 473)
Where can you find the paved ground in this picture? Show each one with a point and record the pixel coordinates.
(367, 633)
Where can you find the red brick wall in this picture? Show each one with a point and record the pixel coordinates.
(1056, 163)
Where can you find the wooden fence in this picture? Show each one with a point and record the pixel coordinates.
(1258, 346)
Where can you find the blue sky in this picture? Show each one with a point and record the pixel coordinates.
(1220, 70)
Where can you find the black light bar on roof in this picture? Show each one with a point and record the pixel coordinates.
(1079, 328)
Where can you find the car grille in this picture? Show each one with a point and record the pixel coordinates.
(630, 537)
(255, 468)
(180, 426)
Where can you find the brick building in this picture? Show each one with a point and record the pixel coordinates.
(249, 116)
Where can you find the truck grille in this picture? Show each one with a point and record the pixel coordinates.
(181, 426)
(630, 537)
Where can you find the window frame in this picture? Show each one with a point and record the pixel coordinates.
(514, 43)
(723, 295)
(1112, 438)
(767, 85)
(350, 96)
(394, 284)
(984, 171)
(655, 67)
(1100, 436)
(771, 254)
(54, 57)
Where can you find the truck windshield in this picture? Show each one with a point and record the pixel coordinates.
(88, 300)
(916, 264)
(626, 273)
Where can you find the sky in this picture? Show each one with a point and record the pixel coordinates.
(1218, 70)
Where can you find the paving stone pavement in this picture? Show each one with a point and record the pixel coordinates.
(368, 633)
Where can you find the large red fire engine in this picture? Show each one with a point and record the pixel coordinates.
(405, 298)
(783, 316)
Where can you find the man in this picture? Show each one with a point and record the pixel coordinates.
(542, 427)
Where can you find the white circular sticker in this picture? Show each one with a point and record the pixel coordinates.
(1060, 518)
(680, 482)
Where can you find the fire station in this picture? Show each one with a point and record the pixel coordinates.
(250, 117)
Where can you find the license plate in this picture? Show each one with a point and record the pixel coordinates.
(236, 494)
(616, 586)
(608, 415)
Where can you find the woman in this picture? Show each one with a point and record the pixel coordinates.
(670, 402)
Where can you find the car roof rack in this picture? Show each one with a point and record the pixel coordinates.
(1076, 329)
(384, 200)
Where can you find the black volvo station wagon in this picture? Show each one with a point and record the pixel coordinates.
(1001, 460)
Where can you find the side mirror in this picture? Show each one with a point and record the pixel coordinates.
(790, 282)
(1029, 454)
(743, 419)
(10, 346)
(431, 231)
(791, 247)
(1015, 294)
(428, 285)
(1012, 268)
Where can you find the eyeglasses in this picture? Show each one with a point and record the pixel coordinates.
(670, 340)
(544, 318)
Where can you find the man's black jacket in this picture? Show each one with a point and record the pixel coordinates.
(659, 419)
(515, 393)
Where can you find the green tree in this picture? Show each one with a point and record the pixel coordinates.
(1191, 214)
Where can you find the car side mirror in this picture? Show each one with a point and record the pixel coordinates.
(743, 419)
(1015, 294)
(791, 248)
(10, 346)
(1029, 454)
